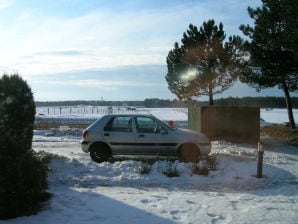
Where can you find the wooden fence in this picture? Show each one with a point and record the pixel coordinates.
(234, 124)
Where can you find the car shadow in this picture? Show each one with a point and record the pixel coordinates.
(280, 147)
(69, 205)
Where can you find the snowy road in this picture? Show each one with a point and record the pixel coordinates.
(86, 192)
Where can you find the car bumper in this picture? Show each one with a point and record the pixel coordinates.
(205, 148)
(85, 146)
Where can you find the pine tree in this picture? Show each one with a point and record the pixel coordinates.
(203, 64)
(273, 47)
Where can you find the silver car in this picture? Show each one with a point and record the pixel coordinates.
(134, 134)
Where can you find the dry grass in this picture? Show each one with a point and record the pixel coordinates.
(281, 133)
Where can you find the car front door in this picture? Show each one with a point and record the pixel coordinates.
(118, 133)
(151, 137)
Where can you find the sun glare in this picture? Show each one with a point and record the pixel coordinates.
(189, 75)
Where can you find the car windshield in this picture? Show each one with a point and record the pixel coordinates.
(172, 128)
(169, 126)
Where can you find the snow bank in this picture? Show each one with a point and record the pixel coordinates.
(226, 195)
(87, 192)
(235, 169)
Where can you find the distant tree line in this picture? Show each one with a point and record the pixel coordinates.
(263, 102)
(88, 103)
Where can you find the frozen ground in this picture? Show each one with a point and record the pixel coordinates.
(87, 192)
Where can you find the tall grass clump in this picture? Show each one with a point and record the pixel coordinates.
(145, 166)
(170, 169)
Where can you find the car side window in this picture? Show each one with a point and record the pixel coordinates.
(119, 124)
(147, 125)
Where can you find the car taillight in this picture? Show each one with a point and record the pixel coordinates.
(84, 133)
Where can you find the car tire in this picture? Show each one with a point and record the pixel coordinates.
(188, 152)
(100, 152)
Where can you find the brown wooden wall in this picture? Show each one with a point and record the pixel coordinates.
(234, 124)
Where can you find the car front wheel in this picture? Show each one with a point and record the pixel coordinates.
(100, 152)
(189, 152)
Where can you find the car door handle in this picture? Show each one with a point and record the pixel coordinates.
(141, 136)
(106, 134)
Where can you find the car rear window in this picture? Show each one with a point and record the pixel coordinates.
(120, 124)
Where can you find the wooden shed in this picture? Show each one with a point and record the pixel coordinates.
(234, 124)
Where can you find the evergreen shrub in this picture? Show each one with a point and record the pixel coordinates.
(23, 176)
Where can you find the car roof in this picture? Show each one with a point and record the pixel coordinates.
(131, 114)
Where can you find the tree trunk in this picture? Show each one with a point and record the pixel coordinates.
(289, 105)
(211, 101)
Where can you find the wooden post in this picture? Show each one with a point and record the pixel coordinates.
(260, 160)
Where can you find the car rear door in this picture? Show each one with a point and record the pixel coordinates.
(118, 133)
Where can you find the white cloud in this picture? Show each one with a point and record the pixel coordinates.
(107, 39)
(115, 39)
(6, 3)
(97, 83)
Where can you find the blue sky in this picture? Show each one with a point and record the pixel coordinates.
(106, 49)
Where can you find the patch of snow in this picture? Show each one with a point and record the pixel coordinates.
(277, 116)
(88, 192)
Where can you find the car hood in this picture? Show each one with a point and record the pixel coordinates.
(190, 135)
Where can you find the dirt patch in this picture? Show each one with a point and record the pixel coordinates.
(281, 133)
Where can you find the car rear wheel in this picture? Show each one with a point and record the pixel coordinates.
(189, 152)
(100, 152)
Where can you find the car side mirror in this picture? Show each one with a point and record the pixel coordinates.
(163, 131)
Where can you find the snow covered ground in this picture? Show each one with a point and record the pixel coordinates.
(277, 116)
(87, 192)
